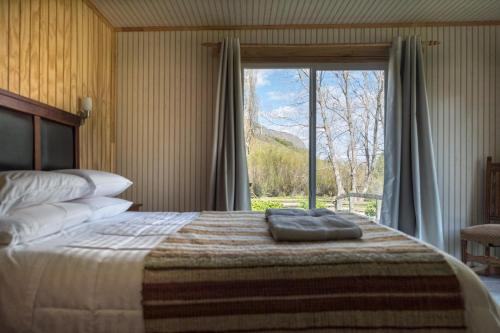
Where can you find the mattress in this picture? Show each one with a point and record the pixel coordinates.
(89, 278)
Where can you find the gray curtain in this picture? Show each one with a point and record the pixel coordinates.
(411, 199)
(229, 189)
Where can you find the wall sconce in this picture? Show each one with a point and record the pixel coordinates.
(85, 108)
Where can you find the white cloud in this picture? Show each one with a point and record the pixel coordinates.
(281, 96)
(262, 77)
(284, 112)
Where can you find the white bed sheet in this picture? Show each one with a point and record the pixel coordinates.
(86, 280)
(100, 279)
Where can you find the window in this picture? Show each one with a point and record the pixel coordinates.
(314, 136)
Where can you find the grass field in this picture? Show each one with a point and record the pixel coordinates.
(360, 206)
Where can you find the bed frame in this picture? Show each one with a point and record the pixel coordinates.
(36, 136)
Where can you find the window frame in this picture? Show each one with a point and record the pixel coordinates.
(313, 69)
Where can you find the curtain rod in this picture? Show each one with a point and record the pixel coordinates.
(424, 43)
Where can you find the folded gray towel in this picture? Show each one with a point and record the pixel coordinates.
(298, 212)
(286, 212)
(310, 228)
(320, 212)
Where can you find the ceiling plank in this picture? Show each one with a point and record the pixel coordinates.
(254, 14)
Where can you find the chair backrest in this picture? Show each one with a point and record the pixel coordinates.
(492, 194)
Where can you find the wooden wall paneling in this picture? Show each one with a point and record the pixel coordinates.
(84, 58)
(14, 27)
(141, 115)
(451, 139)
(67, 56)
(74, 51)
(52, 56)
(121, 79)
(150, 107)
(59, 54)
(170, 166)
(34, 57)
(113, 99)
(137, 114)
(158, 102)
(44, 51)
(91, 148)
(49, 57)
(4, 51)
(24, 47)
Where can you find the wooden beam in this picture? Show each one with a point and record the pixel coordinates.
(312, 26)
(314, 53)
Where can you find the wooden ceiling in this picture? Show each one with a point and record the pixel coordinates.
(186, 14)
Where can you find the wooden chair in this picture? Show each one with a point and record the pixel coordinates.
(487, 234)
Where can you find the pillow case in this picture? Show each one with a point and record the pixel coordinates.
(105, 184)
(27, 224)
(103, 207)
(20, 189)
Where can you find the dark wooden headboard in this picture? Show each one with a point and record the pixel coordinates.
(36, 136)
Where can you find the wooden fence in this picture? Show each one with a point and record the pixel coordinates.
(351, 195)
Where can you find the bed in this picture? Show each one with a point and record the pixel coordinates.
(92, 277)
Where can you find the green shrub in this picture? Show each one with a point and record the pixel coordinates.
(371, 208)
(260, 205)
(320, 204)
(304, 204)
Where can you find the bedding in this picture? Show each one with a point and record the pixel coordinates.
(105, 184)
(27, 224)
(19, 189)
(224, 272)
(103, 207)
(86, 280)
(99, 267)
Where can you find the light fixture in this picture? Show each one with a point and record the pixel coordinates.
(85, 108)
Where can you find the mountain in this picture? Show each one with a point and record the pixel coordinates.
(283, 138)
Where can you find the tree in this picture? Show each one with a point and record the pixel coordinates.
(349, 108)
(251, 106)
(325, 130)
(371, 97)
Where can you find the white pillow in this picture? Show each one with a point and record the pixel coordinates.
(105, 184)
(103, 207)
(19, 189)
(27, 224)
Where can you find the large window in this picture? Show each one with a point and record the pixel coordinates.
(314, 137)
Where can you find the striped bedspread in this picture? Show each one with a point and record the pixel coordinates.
(224, 273)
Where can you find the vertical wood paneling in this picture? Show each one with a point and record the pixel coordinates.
(46, 55)
(34, 58)
(4, 51)
(165, 95)
(14, 41)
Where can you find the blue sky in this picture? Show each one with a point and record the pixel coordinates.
(283, 102)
